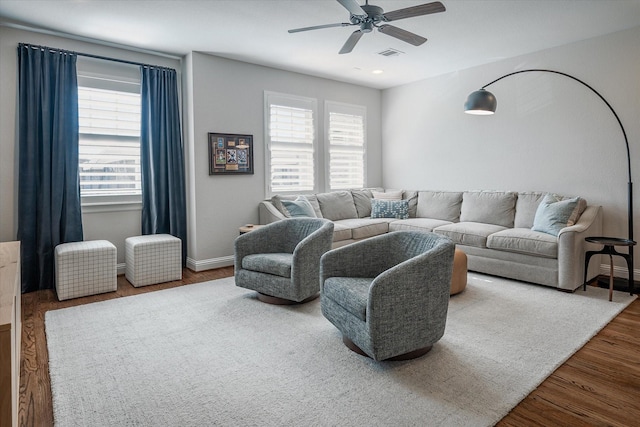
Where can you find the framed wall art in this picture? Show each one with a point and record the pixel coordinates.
(230, 154)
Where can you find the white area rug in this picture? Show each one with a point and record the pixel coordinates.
(211, 354)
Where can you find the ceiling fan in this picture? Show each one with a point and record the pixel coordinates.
(368, 17)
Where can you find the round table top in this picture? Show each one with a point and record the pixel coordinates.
(610, 241)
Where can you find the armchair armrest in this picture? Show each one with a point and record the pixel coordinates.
(409, 277)
(260, 240)
(416, 290)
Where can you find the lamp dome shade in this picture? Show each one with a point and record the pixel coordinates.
(481, 102)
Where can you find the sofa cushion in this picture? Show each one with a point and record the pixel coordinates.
(299, 208)
(278, 264)
(337, 205)
(443, 205)
(412, 198)
(361, 228)
(381, 208)
(489, 207)
(524, 241)
(469, 233)
(341, 232)
(553, 214)
(417, 224)
(362, 200)
(526, 207)
(577, 212)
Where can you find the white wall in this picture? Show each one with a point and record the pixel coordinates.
(108, 223)
(549, 133)
(228, 97)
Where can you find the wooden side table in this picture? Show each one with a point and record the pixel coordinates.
(609, 244)
(249, 227)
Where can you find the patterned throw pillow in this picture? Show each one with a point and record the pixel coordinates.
(381, 208)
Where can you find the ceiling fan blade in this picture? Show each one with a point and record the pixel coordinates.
(351, 42)
(317, 27)
(423, 9)
(404, 35)
(353, 7)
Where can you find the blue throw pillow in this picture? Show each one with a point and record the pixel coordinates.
(300, 208)
(553, 214)
(381, 208)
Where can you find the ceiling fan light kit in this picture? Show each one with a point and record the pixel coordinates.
(368, 17)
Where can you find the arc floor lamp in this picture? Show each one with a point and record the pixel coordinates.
(483, 102)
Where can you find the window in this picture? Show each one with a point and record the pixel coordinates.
(109, 133)
(291, 143)
(345, 130)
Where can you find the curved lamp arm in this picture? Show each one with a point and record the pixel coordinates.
(484, 102)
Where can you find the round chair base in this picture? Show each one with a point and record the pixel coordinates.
(406, 356)
(282, 301)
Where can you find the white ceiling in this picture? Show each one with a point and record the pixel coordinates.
(469, 33)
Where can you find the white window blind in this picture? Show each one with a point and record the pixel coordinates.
(109, 142)
(346, 135)
(291, 144)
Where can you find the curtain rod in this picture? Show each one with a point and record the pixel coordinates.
(89, 55)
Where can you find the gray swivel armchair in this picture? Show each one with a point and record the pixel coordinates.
(281, 261)
(389, 295)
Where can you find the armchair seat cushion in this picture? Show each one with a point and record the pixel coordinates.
(278, 264)
(350, 293)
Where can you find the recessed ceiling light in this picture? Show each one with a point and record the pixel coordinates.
(377, 71)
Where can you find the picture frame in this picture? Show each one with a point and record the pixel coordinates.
(230, 154)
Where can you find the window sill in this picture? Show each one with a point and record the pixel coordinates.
(111, 204)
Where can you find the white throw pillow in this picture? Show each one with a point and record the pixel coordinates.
(388, 195)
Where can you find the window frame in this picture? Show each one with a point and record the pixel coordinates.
(350, 109)
(106, 75)
(292, 101)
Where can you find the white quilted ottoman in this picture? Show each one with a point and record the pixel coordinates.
(151, 259)
(85, 268)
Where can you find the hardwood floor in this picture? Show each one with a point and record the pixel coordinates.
(599, 385)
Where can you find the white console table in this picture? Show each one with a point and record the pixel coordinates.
(10, 332)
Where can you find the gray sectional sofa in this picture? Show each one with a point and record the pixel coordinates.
(493, 228)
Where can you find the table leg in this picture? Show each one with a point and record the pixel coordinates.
(610, 277)
(586, 266)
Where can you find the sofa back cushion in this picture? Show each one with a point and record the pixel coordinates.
(443, 205)
(526, 207)
(489, 207)
(362, 200)
(337, 205)
(412, 198)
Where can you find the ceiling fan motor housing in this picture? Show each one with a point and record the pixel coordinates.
(374, 15)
